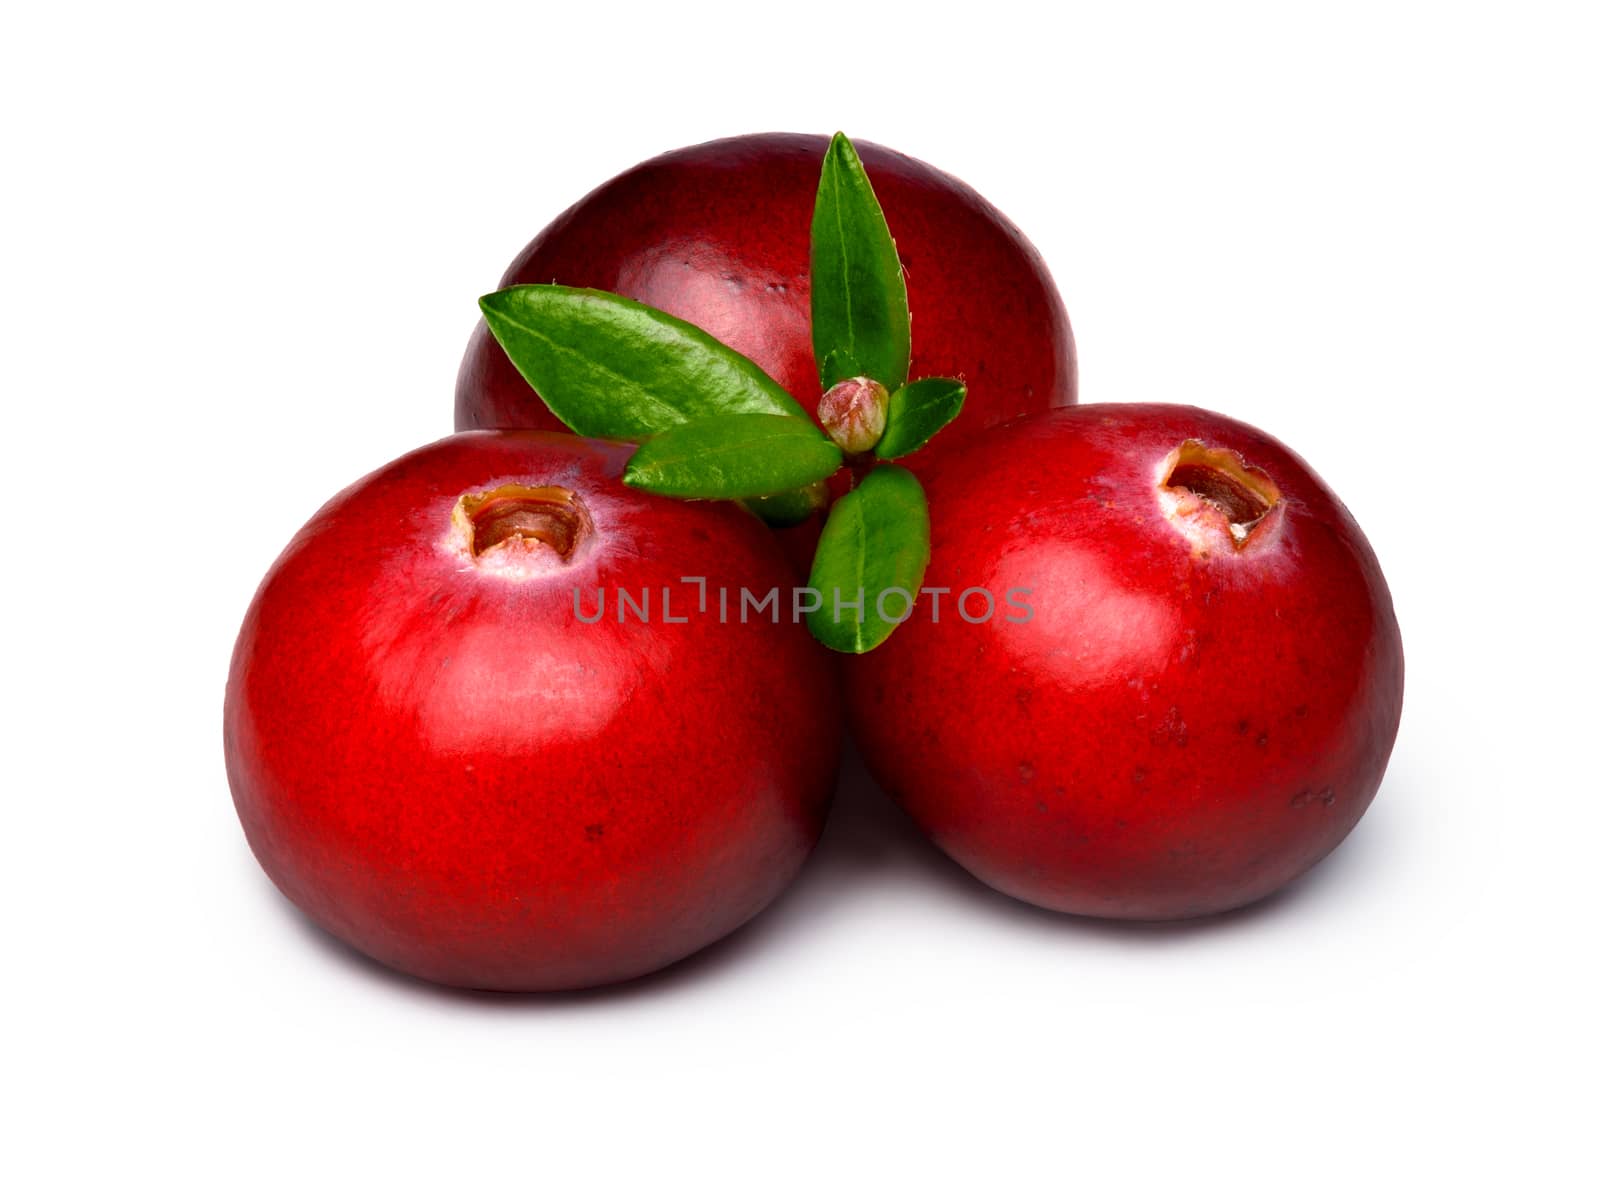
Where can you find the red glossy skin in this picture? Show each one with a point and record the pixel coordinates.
(1183, 727)
(443, 767)
(719, 235)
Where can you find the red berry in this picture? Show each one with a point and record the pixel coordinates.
(1204, 699)
(719, 235)
(441, 761)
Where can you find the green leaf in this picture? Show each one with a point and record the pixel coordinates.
(838, 365)
(733, 457)
(784, 509)
(860, 322)
(612, 367)
(917, 412)
(876, 539)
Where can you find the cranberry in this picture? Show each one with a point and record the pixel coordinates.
(443, 758)
(719, 235)
(1193, 702)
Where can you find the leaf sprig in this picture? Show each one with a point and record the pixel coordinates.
(715, 426)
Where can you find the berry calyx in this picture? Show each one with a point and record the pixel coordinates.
(520, 528)
(1210, 489)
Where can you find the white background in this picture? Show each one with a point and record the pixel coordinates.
(241, 252)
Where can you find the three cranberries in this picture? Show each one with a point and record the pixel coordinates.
(492, 719)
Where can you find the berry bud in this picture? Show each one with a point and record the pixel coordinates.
(853, 411)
